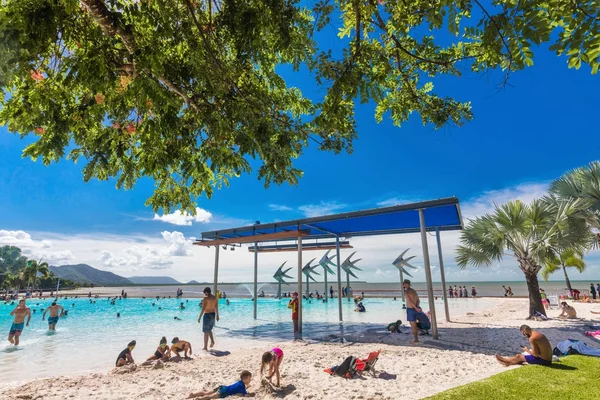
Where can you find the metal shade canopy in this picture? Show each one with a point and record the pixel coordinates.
(426, 216)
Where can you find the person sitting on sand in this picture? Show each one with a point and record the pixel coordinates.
(568, 312)
(181, 345)
(162, 351)
(125, 356)
(274, 359)
(223, 391)
(540, 352)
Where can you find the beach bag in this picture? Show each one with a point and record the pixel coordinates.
(346, 369)
(423, 322)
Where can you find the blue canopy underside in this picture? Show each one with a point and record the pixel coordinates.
(443, 214)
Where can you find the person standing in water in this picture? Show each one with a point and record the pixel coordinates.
(54, 314)
(20, 312)
(210, 311)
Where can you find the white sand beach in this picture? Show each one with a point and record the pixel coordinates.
(463, 354)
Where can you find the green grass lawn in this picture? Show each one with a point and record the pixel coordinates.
(574, 377)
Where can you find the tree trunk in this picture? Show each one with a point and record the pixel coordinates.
(568, 282)
(535, 299)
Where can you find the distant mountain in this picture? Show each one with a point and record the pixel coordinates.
(153, 280)
(193, 283)
(83, 273)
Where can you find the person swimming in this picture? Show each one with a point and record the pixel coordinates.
(177, 318)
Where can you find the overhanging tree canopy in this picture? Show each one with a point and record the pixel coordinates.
(186, 92)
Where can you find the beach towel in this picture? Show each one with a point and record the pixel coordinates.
(572, 346)
(594, 334)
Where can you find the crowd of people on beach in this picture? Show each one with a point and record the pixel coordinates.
(461, 291)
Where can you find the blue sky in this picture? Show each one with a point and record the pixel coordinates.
(522, 137)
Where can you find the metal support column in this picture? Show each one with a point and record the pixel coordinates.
(444, 290)
(255, 278)
(348, 295)
(402, 285)
(339, 275)
(216, 279)
(326, 292)
(299, 287)
(428, 273)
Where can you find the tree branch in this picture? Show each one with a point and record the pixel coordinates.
(510, 55)
(381, 24)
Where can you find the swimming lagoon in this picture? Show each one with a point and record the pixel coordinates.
(91, 336)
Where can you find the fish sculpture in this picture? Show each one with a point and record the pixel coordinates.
(401, 263)
(348, 265)
(280, 276)
(308, 270)
(325, 263)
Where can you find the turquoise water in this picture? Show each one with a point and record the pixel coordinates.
(91, 336)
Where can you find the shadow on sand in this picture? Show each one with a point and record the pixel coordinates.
(482, 338)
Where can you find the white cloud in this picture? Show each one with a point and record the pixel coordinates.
(149, 256)
(484, 203)
(395, 201)
(323, 208)
(33, 248)
(279, 207)
(184, 218)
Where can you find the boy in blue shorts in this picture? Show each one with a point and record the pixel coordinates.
(238, 388)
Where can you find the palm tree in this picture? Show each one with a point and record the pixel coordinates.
(33, 268)
(583, 184)
(531, 233)
(565, 259)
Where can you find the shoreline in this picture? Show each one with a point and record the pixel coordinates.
(463, 354)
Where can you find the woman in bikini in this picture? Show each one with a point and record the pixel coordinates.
(274, 359)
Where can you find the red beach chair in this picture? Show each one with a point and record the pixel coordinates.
(368, 364)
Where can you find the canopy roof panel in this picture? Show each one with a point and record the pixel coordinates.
(443, 214)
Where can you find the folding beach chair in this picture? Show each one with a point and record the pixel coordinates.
(552, 301)
(368, 364)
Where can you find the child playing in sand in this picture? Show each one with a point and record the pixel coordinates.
(162, 351)
(274, 359)
(178, 345)
(223, 391)
(125, 356)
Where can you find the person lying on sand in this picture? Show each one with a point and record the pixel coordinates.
(162, 351)
(125, 357)
(568, 312)
(181, 345)
(540, 352)
(238, 388)
(273, 358)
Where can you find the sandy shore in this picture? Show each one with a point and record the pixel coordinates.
(463, 354)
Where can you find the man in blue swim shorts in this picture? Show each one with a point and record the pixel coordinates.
(20, 312)
(210, 311)
(238, 388)
(540, 352)
(412, 308)
(54, 309)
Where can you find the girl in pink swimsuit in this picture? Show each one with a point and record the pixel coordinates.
(274, 359)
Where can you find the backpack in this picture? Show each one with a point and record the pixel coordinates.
(347, 368)
(423, 322)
